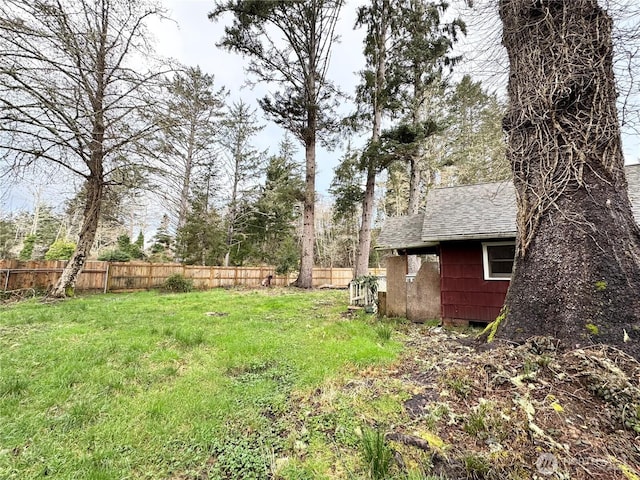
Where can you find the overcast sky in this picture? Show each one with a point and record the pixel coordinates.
(192, 37)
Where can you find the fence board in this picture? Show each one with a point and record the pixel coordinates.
(121, 276)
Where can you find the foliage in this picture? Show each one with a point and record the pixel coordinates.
(289, 44)
(370, 282)
(376, 453)
(346, 186)
(243, 166)
(115, 255)
(27, 247)
(475, 146)
(178, 284)
(190, 117)
(271, 225)
(60, 250)
(7, 237)
(201, 240)
(162, 247)
(132, 250)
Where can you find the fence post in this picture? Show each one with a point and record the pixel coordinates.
(106, 278)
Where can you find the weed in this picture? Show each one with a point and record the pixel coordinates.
(376, 453)
(458, 381)
(189, 338)
(242, 458)
(593, 329)
(544, 361)
(476, 425)
(384, 332)
(529, 367)
(13, 386)
(434, 415)
(476, 466)
(178, 284)
(601, 285)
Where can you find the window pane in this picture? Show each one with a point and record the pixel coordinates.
(501, 267)
(501, 260)
(501, 252)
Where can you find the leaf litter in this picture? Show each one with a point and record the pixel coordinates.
(496, 411)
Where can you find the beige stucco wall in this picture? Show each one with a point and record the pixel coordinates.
(423, 294)
(396, 286)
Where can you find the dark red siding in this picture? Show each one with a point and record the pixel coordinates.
(464, 292)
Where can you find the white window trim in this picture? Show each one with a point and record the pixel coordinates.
(485, 259)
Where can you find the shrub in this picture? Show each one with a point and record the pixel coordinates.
(60, 250)
(114, 256)
(27, 247)
(178, 283)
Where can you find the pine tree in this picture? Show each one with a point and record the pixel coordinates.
(289, 44)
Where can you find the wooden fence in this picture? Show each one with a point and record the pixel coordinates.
(130, 276)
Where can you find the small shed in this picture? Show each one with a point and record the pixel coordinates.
(470, 230)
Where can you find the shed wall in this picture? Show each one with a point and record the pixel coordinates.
(396, 286)
(464, 293)
(423, 294)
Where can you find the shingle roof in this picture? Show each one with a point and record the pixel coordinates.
(401, 232)
(480, 211)
(486, 210)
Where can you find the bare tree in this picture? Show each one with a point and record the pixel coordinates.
(577, 266)
(70, 97)
(289, 44)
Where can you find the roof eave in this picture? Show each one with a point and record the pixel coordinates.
(405, 247)
(469, 236)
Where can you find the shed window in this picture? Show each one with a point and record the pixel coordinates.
(497, 260)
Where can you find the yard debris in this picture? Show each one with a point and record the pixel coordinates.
(216, 314)
(503, 411)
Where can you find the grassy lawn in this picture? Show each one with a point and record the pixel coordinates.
(200, 385)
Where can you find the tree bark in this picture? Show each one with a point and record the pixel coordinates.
(307, 258)
(577, 266)
(65, 286)
(364, 235)
(414, 261)
(305, 276)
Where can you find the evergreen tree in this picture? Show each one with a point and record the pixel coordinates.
(289, 44)
(162, 247)
(191, 118)
(243, 166)
(475, 147)
(272, 226)
(201, 240)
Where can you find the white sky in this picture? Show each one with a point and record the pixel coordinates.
(192, 38)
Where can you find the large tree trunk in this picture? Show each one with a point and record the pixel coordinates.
(414, 261)
(364, 237)
(65, 286)
(305, 276)
(577, 270)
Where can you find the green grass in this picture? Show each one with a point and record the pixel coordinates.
(147, 385)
